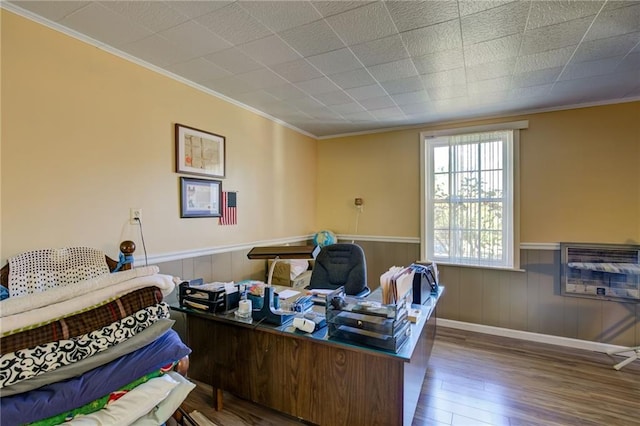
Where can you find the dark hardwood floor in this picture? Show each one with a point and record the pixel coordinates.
(479, 379)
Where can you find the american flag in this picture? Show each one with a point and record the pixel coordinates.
(229, 205)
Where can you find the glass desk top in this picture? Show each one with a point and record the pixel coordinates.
(405, 352)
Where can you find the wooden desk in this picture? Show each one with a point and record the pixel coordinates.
(312, 377)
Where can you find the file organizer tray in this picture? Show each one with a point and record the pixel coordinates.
(360, 321)
(207, 300)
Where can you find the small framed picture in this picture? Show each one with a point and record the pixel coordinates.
(199, 152)
(200, 197)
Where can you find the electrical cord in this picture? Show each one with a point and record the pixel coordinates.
(144, 247)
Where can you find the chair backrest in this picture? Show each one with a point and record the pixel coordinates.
(341, 265)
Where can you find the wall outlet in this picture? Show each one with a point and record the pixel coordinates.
(135, 213)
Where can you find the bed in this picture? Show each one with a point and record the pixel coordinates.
(87, 339)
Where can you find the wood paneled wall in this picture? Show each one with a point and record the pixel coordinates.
(526, 301)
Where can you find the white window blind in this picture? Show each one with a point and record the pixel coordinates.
(468, 197)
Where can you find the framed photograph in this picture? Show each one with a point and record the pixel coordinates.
(199, 152)
(200, 197)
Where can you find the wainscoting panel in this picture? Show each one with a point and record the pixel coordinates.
(527, 301)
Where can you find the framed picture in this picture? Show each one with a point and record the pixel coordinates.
(199, 152)
(200, 197)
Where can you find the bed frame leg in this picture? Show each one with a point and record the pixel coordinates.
(217, 399)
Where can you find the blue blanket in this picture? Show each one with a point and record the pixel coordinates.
(60, 397)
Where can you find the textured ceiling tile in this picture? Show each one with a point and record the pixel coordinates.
(544, 13)
(270, 51)
(281, 15)
(616, 22)
(409, 15)
(535, 78)
(234, 24)
(312, 39)
(286, 92)
(390, 113)
(348, 108)
(354, 78)
(595, 88)
(538, 61)
(157, 51)
(377, 103)
(468, 7)
(233, 60)
(230, 86)
(403, 85)
(555, 36)
(335, 62)
(54, 11)
(329, 8)
(440, 61)
(262, 78)
(256, 99)
(198, 70)
(416, 108)
(324, 114)
(318, 85)
(306, 103)
(455, 103)
(631, 62)
(444, 78)
(481, 98)
(606, 47)
(105, 25)
(490, 70)
(196, 8)
(298, 70)
(436, 38)
(152, 14)
(493, 50)
(393, 70)
(359, 116)
(334, 98)
(379, 51)
(366, 92)
(375, 20)
(495, 23)
(591, 68)
(195, 38)
(486, 86)
(527, 93)
(411, 98)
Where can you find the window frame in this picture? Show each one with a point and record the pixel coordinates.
(426, 167)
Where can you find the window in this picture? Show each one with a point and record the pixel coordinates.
(468, 196)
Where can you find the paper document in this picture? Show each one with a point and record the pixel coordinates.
(320, 292)
(287, 294)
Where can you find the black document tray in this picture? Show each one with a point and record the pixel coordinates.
(209, 300)
(360, 321)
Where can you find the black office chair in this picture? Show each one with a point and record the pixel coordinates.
(341, 265)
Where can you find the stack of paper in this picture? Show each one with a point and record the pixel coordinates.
(396, 283)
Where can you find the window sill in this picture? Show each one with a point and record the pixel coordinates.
(491, 268)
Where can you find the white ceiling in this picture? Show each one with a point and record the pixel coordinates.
(334, 67)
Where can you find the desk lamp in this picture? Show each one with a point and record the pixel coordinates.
(278, 253)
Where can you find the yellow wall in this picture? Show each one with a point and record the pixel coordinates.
(87, 135)
(579, 180)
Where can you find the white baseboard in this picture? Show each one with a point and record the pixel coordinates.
(533, 337)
